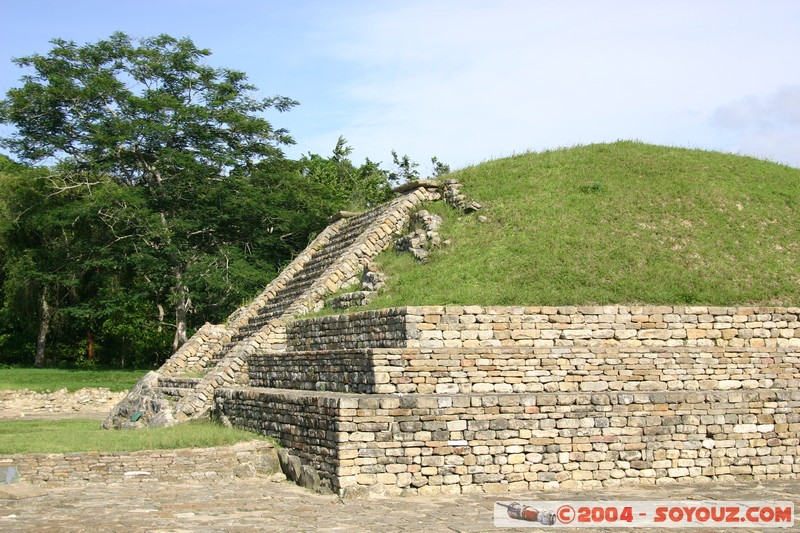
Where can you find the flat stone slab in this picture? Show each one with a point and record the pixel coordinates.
(20, 491)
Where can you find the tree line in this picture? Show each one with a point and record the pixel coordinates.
(149, 195)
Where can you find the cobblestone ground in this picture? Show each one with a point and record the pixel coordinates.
(256, 504)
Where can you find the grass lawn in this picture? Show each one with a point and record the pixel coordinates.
(42, 379)
(65, 436)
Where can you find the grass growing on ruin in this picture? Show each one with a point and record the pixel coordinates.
(620, 223)
(65, 436)
(52, 379)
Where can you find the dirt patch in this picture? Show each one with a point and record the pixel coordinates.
(83, 403)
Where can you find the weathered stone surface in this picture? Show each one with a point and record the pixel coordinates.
(447, 440)
(87, 402)
(290, 464)
(309, 478)
(226, 462)
(423, 236)
(20, 491)
(142, 407)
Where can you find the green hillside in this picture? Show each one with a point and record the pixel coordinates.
(616, 223)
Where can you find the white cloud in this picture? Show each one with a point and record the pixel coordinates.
(472, 80)
(766, 126)
(780, 109)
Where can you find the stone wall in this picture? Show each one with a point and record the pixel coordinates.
(222, 463)
(339, 371)
(469, 398)
(384, 328)
(431, 444)
(306, 424)
(526, 369)
(547, 327)
(453, 444)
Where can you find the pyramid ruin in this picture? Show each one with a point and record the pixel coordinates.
(453, 399)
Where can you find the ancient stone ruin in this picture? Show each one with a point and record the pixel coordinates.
(445, 400)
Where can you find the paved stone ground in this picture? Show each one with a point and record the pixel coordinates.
(256, 504)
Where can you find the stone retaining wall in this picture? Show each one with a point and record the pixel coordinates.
(339, 371)
(306, 424)
(526, 369)
(221, 463)
(431, 444)
(384, 328)
(544, 327)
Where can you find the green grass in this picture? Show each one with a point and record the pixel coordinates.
(66, 436)
(620, 223)
(42, 379)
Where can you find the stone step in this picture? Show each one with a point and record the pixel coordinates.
(175, 392)
(178, 382)
(634, 435)
(527, 370)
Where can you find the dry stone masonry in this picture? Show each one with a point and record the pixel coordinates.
(372, 280)
(223, 463)
(456, 399)
(424, 236)
(468, 398)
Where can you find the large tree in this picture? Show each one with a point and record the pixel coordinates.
(148, 116)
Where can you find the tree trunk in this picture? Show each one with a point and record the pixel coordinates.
(44, 327)
(182, 305)
(89, 345)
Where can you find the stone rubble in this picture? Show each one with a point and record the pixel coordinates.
(423, 237)
(26, 403)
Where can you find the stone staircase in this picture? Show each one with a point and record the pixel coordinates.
(220, 353)
(320, 260)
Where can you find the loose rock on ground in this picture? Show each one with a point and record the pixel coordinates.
(84, 403)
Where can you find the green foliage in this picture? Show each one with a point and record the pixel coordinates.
(152, 145)
(68, 436)
(620, 223)
(439, 168)
(52, 379)
(406, 168)
(142, 111)
(351, 187)
(167, 202)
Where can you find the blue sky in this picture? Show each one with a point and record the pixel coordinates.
(469, 81)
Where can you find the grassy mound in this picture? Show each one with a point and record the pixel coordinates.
(620, 223)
